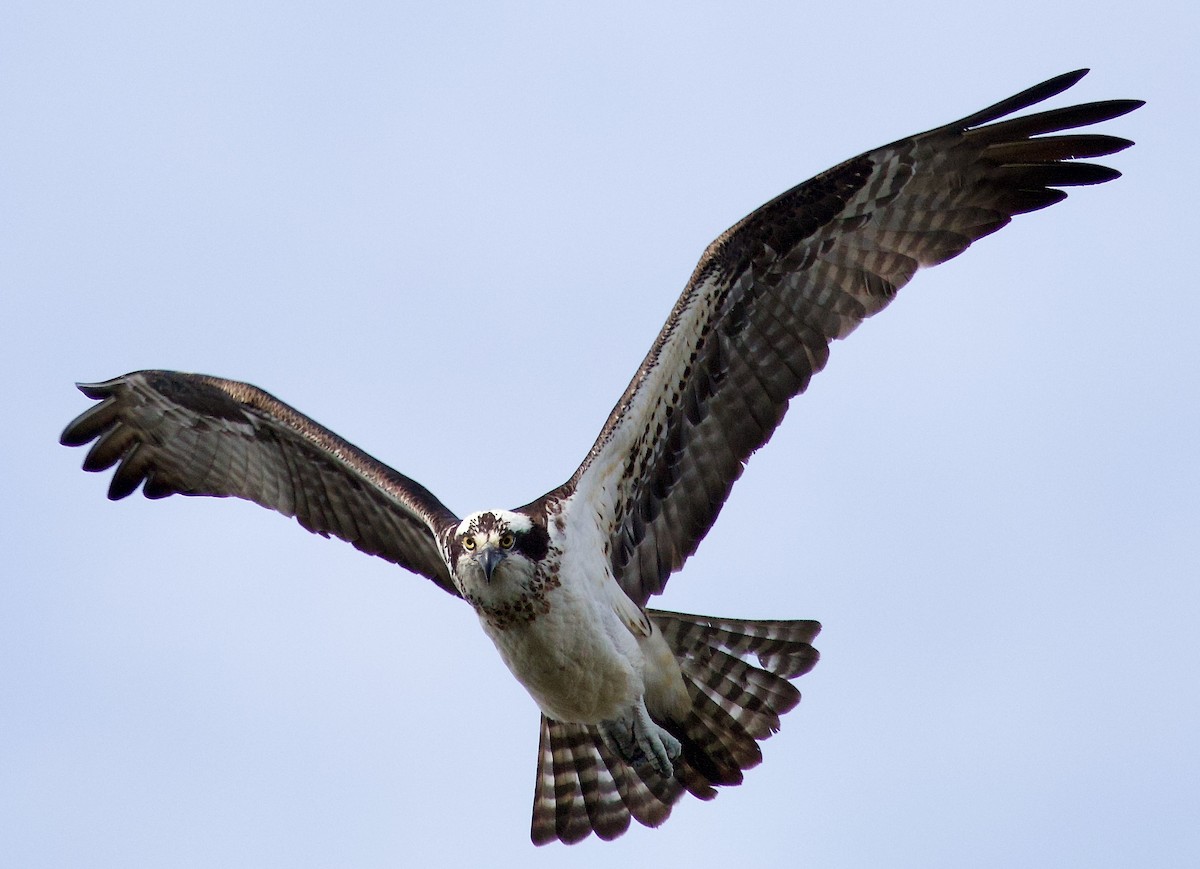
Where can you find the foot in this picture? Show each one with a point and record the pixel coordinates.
(641, 742)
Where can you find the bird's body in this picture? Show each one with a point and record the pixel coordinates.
(638, 705)
(584, 651)
(552, 622)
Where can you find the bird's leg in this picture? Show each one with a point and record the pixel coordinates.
(639, 741)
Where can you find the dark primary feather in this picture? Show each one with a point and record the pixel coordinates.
(769, 295)
(190, 434)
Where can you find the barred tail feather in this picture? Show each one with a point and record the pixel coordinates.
(583, 787)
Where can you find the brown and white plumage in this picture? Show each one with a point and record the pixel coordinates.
(639, 706)
(583, 787)
(190, 434)
(769, 295)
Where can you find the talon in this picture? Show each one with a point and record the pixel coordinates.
(665, 748)
(640, 742)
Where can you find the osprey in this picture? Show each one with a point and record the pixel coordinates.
(638, 705)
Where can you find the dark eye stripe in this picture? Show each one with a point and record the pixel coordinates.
(533, 544)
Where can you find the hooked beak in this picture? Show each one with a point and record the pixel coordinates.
(488, 559)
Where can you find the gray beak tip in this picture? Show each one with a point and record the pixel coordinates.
(488, 559)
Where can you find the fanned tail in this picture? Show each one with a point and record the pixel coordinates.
(584, 787)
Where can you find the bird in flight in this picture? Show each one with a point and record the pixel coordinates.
(639, 706)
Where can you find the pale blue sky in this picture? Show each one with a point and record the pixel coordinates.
(450, 234)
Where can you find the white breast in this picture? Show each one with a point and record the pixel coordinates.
(578, 659)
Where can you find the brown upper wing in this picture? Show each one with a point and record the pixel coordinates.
(755, 321)
(191, 434)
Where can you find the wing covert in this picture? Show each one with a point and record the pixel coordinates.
(768, 296)
(191, 434)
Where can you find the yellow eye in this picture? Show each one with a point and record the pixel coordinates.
(507, 540)
(469, 544)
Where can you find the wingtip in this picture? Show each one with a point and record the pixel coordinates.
(90, 424)
(1059, 83)
(1074, 75)
(1128, 106)
(1117, 144)
(1031, 96)
(97, 391)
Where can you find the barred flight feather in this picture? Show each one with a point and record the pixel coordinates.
(191, 434)
(769, 295)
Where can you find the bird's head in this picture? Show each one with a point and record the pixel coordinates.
(495, 545)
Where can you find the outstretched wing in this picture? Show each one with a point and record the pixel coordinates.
(768, 296)
(191, 434)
